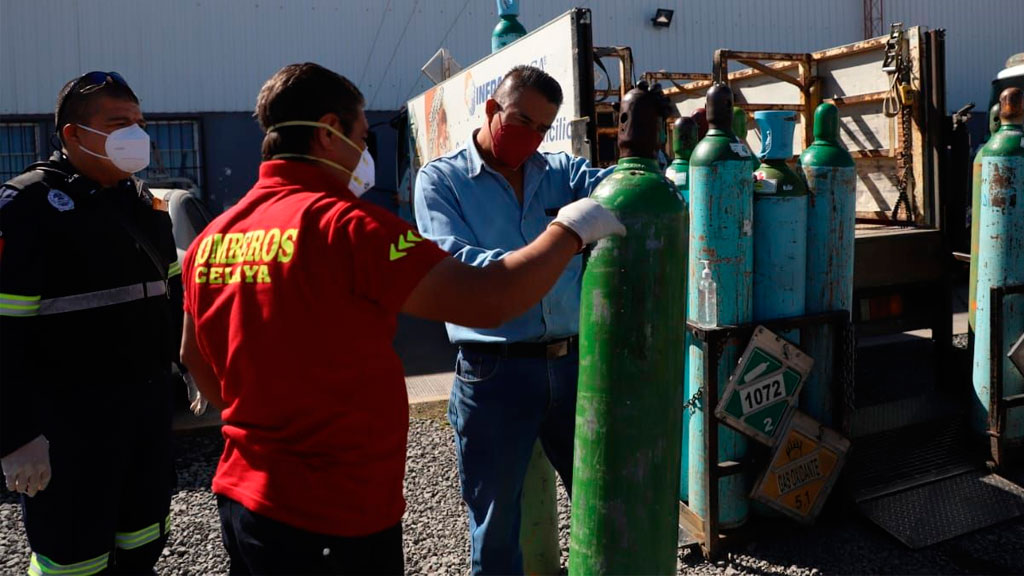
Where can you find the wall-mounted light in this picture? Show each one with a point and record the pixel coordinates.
(662, 18)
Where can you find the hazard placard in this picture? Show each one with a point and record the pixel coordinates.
(1016, 352)
(764, 387)
(805, 465)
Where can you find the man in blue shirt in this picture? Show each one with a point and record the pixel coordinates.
(515, 383)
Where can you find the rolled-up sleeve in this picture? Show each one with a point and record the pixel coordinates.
(439, 218)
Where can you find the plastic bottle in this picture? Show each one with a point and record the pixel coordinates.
(707, 298)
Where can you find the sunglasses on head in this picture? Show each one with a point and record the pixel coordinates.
(92, 81)
(88, 83)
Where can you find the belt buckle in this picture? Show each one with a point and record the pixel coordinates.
(558, 349)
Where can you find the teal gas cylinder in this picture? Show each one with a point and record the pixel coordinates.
(1001, 263)
(972, 285)
(509, 29)
(831, 179)
(721, 232)
(684, 138)
(780, 224)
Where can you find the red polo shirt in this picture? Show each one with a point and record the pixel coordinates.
(295, 293)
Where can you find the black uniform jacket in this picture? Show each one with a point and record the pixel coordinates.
(86, 324)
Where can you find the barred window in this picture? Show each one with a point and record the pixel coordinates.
(19, 147)
(175, 151)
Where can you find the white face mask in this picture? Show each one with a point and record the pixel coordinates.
(127, 148)
(361, 178)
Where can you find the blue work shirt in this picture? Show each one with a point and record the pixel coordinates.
(471, 211)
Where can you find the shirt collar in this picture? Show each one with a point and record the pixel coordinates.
(476, 163)
(306, 175)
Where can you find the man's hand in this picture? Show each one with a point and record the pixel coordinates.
(196, 402)
(27, 469)
(589, 221)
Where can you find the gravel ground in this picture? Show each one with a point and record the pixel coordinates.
(436, 539)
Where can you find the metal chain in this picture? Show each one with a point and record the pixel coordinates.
(906, 160)
(906, 155)
(691, 404)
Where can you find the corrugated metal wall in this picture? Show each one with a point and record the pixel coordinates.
(980, 36)
(213, 55)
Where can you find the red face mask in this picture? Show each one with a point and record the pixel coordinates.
(513, 143)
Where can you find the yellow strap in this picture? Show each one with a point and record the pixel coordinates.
(138, 538)
(4, 296)
(41, 565)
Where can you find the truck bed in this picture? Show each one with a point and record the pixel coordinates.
(894, 255)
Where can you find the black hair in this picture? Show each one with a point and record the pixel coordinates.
(304, 91)
(76, 107)
(522, 77)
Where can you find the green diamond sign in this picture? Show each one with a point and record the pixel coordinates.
(764, 388)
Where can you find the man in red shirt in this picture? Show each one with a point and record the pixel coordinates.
(291, 303)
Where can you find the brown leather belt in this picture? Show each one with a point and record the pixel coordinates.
(550, 349)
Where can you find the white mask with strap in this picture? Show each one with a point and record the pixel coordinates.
(361, 178)
(127, 148)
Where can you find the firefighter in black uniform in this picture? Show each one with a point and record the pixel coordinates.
(86, 338)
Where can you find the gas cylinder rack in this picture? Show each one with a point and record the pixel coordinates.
(901, 261)
(704, 533)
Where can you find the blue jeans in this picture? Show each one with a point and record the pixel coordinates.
(499, 407)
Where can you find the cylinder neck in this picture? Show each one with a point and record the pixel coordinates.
(826, 124)
(721, 132)
(637, 163)
(508, 8)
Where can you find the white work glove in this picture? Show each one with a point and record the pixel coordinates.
(589, 220)
(27, 469)
(196, 402)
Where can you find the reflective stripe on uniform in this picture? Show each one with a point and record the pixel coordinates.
(102, 298)
(151, 533)
(18, 305)
(41, 565)
(173, 270)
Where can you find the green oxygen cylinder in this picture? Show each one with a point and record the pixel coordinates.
(684, 138)
(508, 29)
(538, 529)
(972, 282)
(739, 128)
(625, 506)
